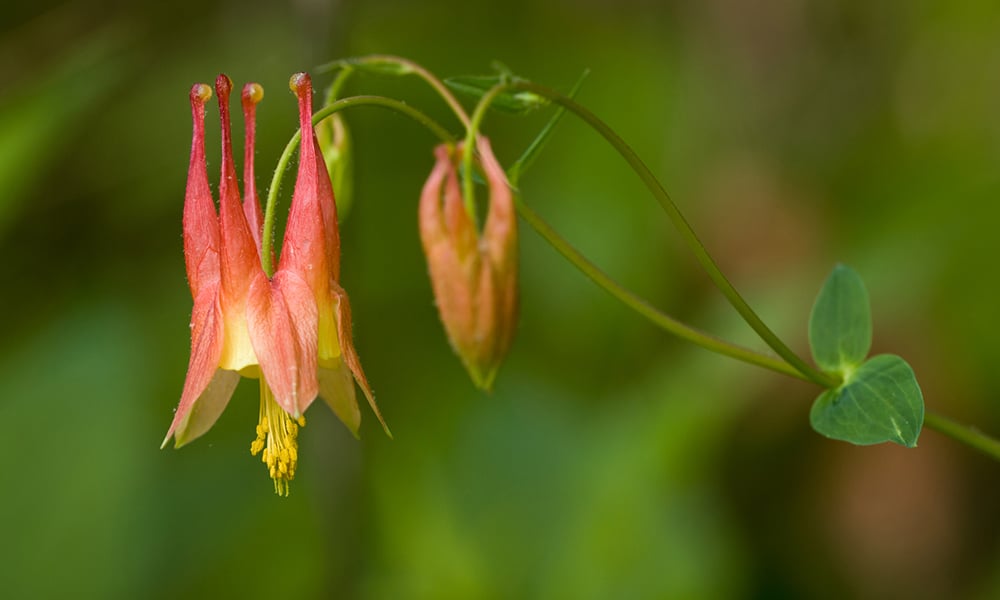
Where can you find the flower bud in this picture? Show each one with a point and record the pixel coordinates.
(335, 141)
(473, 274)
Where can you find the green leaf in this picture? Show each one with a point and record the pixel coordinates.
(840, 327)
(878, 402)
(517, 169)
(515, 102)
(379, 65)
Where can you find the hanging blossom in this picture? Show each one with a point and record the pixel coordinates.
(473, 274)
(291, 330)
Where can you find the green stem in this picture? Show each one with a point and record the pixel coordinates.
(408, 67)
(439, 87)
(969, 436)
(642, 307)
(267, 241)
(469, 147)
(338, 82)
(686, 232)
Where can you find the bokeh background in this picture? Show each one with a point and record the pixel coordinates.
(612, 461)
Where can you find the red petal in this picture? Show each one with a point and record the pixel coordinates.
(195, 415)
(200, 223)
(311, 231)
(432, 229)
(336, 387)
(240, 259)
(252, 94)
(500, 235)
(500, 231)
(450, 246)
(281, 315)
(328, 206)
(349, 354)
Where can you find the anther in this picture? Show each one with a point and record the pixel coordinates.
(276, 441)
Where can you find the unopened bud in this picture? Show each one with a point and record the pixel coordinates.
(473, 275)
(335, 141)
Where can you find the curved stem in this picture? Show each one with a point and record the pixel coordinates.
(686, 232)
(338, 82)
(969, 436)
(439, 87)
(409, 67)
(469, 148)
(267, 241)
(642, 307)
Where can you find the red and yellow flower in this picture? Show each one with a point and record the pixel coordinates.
(292, 330)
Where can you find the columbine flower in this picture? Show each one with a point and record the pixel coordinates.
(474, 278)
(292, 330)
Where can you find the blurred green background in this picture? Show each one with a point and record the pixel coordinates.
(612, 461)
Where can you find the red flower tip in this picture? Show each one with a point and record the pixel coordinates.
(300, 83)
(223, 86)
(253, 93)
(200, 93)
(201, 225)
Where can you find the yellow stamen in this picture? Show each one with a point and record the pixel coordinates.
(276, 440)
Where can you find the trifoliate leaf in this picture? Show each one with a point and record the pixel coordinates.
(880, 401)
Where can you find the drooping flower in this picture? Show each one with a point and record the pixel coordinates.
(474, 277)
(291, 330)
